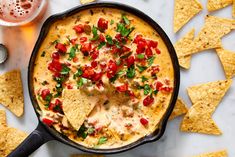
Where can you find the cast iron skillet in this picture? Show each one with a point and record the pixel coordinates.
(43, 133)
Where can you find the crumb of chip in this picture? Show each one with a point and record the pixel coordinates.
(184, 10)
(222, 153)
(3, 122)
(86, 1)
(211, 33)
(77, 105)
(227, 59)
(182, 46)
(179, 109)
(11, 92)
(213, 5)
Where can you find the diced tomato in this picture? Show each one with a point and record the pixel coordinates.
(130, 61)
(148, 100)
(148, 52)
(55, 66)
(73, 41)
(102, 24)
(47, 121)
(88, 72)
(118, 37)
(144, 121)
(94, 54)
(141, 44)
(45, 93)
(83, 39)
(159, 85)
(75, 59)
(86, 48)
(131, 94)
(101, 38)
(140, 50)
(94, 64)
(55, 55)
(61, 47)
(69, 86)
(56, 107)
(115, 50)
(125, 49)
(103, 66)
(158, 51)
(138, 38)
(151, 43)
(122, 88)
(166, 89)
(112, 69)
(154, 70)
(100, 84)
(79, 28)
(97, 76)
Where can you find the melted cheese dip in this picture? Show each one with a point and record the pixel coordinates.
(115, 56)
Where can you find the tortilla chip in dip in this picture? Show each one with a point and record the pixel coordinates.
(184, 11)
(213, 5)
(86, 1)
(210, 93)
(11, 92)
(210, 35)
(222, 153)
(182, 46)
(77, 105)
(180, 109)
(198, 120)
(227, 59)
(3, 122)
(86, 155)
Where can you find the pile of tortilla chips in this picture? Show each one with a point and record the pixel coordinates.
(10, 137)
(11, 92)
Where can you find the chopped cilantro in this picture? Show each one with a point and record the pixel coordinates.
(82, 132)
(113, 79)
(155, 92)
(90, 130)
(81, 82)
(118, 62)
(151, 60)
(117, 44)
(125, 19)
(144, 79)
(101, 45)
(78, 73)
(111, 22)
(140, 56)
(48, 98)
(141, 68)
(146, 89)
(55, 42)
(121, 72)
(65, 70)
(109, 39)
(102, 140)
(123, 30)
(130, 73)
(43, 54)
(95, 33)
(72, 53)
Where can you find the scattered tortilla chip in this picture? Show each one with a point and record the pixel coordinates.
(198, 120)
(184, 11)
(77, 106)
(86, 155)
(209, 93)
(227, 59)
(10, 138)
(213, 5)
(3, 122)
(180, 109)
(11, 92)
(222, 153)
(86, 1)
(182, 46)
(210, 35)
(234, 8)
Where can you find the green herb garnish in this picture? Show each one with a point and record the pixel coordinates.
(123, 30)
(81, 82)
(125, 19)
(141, 68)
(78, 73)
(48, 98)
(55, 42)
(65, 70)
(140, 56)
(82, 132)
(146, 89)
(111, 22)
(95, 33)
(90, 130)
(144, 79)
(126, 55)
(130, 73)
(101, 45)
(102, 140)
(109, 39)
(72, 53)
(151, 60)
(155, 92)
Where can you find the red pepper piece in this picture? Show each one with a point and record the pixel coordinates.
(144, 121)
(79, 28)
(102, 24)
(148, 100)
(122, 88)
(47, 121)
(61, 47)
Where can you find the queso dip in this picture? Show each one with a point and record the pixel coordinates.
(114, 56)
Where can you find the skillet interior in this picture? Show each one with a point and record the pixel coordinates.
(45, 28)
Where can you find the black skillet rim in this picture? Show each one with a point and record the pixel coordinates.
(157, 134)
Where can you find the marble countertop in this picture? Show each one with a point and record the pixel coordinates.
(205, 67)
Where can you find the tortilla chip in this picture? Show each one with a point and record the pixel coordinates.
(180, 109)
(11, 92)
(227, 59)
(86, 1)
(213, 5)
(209, 93)
(182, 46)
(86, 155)
(10, 138)
(199, 120)
(222, 153)
(184, 11)
(234, 8)
(210, 35)
(3, 121)
(77, 106)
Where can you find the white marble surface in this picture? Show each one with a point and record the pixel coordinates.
(205, 67)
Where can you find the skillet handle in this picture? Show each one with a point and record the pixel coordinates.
(36, 139)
